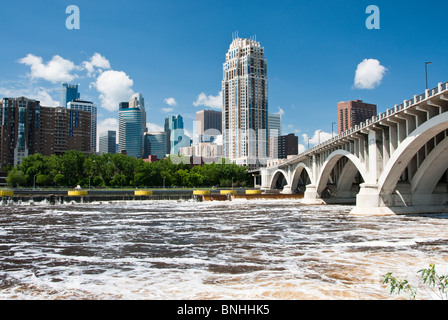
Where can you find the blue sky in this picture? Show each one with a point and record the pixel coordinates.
(175, 49)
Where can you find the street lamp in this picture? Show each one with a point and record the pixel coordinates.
(332, 130)
(426, 72)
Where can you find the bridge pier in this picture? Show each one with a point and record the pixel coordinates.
(287, 189)
(370, 202)
(311, 195)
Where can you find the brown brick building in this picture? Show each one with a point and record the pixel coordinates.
(64, 129)
(283, 146)
(26, 127)
(351, 113)
(19, 129)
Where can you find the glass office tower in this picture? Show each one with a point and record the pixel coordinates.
(176, 138)
(130, 131)
(108, 141)
(69, 92)
(155, 144)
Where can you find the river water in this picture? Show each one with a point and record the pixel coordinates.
(243, 249)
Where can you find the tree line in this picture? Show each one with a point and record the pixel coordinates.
(75, 168)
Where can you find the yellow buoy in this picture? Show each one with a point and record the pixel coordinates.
(4, 193)
(201, 192)
(78, 193)
(227, 192)
(143, 193)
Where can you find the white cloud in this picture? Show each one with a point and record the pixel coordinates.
(152, 127)
(96, 61)
(37, 93)
(301, 148)
(170, 101)
(106, 125)
(280, 111)
(56, 70)
(369, 74)
(45, 99)
(114, 87)
(167, 110)
(318, 137)
(214, 102)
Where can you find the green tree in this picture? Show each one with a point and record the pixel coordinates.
(72, 167)
(32, 166)
(43, 180)
(59, 180)
(16, 178)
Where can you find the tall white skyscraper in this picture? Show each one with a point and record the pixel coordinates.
(245, 103)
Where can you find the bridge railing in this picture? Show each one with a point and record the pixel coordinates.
(389, 112)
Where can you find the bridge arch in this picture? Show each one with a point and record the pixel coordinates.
(279, 179)
(407, 150)
(300, 175)
(431, 170)
(347, 175)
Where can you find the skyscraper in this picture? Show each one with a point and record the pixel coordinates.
(274, 127)
(89, 107)
(288, 146)
(137, 101)
(69, 92)
(155, 144)
(108, 140)
(351, 113)
(130, 130)
(208, 125)
(176, 138)
(19, 129)
(26, 128)
(245, 103)
(64, 129)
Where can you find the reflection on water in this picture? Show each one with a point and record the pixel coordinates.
(211, 250)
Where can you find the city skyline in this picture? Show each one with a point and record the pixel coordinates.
(319, 53)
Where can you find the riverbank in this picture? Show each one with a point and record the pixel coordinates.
(88, 196)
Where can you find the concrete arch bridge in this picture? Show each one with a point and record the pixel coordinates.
(394, 163)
